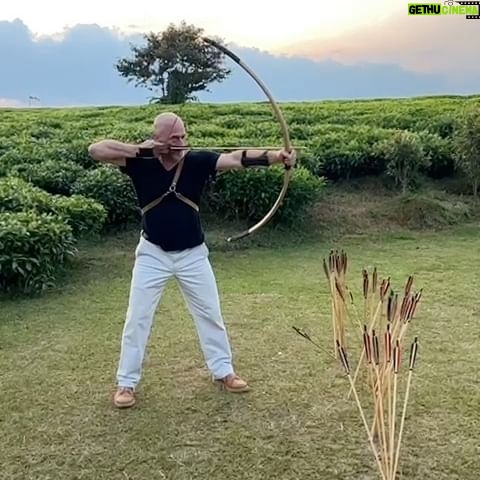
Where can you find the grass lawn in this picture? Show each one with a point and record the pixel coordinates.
(58, 357)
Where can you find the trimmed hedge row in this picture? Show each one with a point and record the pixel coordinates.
(338, 137)
(245, 195)
(355, 151)
(250, 194)
(83, 215)
(33, 248)
(38, 232)
(49, 177)
(113, 190)
(53, 175)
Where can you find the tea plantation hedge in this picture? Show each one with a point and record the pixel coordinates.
(52, 192)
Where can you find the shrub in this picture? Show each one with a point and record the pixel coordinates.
(404, 156)
(75, 151)
(439, 152)
(249, 194)
(8, 160)
(444, 126)
(467, 142)
(23, 152)
(349, 152)
(82, 214)
(53, 176)
(17, 195)
(33, 247)
(36, 151)
(111, 188)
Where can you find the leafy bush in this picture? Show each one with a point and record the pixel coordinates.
(24, 153)
(33, 246)
(60, 149)
(440, 155)
(75, 151)
(467, 142)
(404, 156)
(349, 152)
(111, 188)
(249, 194)
(340, 139)
(17, 195)
(444, 126)
(53, 176)
(83, 215)
(8, 160)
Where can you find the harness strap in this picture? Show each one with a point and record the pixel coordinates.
(171, 189)
(187, 201)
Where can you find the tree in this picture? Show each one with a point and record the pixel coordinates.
(176, 63)
(467, 143)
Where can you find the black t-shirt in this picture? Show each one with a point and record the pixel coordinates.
(172, 224)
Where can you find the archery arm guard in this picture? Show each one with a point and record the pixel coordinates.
(144, 152)
(261, 160)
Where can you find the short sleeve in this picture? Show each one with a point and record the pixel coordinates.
(125, 168)
(210, 162)
(132, 165)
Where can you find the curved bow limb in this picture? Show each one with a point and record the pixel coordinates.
(285, 133)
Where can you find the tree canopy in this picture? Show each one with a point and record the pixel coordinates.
(174, 64)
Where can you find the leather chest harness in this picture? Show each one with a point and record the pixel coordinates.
(171, 189)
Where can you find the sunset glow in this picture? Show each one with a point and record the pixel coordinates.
(250, 23)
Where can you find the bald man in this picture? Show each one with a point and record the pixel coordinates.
(169, 183)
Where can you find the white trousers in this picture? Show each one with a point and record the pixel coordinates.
(152, 269)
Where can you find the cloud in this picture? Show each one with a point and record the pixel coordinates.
(446, 44)
(74, 68)
(11, 102)
(77, 67)
(297, 78)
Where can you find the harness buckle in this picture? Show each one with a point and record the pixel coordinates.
(172, 187)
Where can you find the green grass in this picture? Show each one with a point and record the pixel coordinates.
(58, 356)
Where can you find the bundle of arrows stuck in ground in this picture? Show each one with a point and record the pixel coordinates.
(386, 318)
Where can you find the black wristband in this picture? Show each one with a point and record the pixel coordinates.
(144, 152)
(260, 161)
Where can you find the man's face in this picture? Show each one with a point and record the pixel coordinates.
(171, 132)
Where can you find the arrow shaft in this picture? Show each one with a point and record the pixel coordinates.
(186, 147)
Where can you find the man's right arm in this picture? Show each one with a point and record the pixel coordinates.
(113, 151)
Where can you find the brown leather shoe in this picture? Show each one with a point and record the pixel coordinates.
(233, 383)
(124, 397)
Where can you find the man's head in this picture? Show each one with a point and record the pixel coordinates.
(168, 128)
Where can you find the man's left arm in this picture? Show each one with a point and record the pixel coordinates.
(254, 159)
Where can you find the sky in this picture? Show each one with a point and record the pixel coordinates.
(64, 52)
(249, 22)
